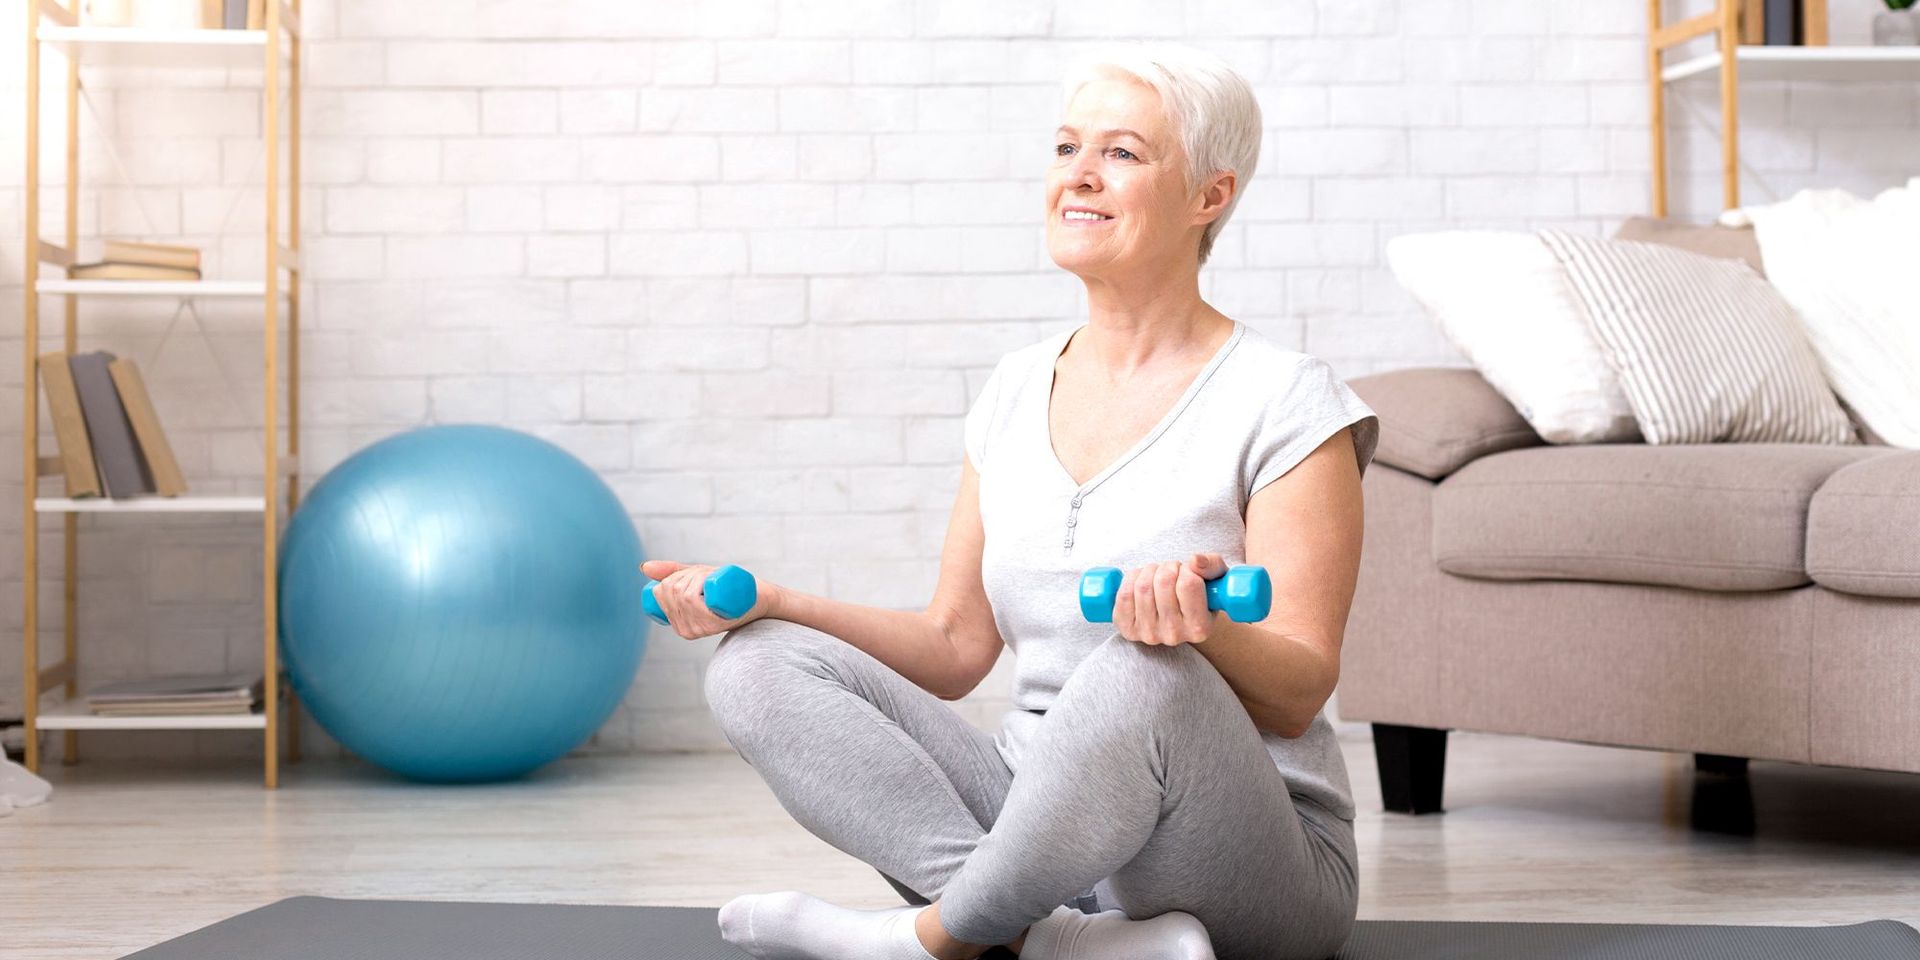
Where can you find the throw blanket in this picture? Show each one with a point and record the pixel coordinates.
(1847, 266)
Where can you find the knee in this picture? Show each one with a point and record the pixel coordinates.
(751, 658)
(1145, 678)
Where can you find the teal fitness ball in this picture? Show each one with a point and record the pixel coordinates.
(461, 603)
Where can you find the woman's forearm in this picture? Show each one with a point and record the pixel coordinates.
(1282, 680)
(910, 642)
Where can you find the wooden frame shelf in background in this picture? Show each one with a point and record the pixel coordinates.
(1730, 61)
(54, 27)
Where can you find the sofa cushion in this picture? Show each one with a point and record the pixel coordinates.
(1863, 527)
(1716, 516)
(1434, 419)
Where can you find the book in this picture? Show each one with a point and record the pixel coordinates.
(130, 271)
(154, 448)
(175, 694)
(176, 686)
(257, 14)
(1783, 23)
(154, 254)
(1753, 22)
(174, 710)
(234, 14)
(107, 426)
(1813, 23)
(210, 14)
(69, 427)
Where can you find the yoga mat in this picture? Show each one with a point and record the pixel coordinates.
(325, 928)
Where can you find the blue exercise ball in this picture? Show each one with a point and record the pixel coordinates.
(461, 603)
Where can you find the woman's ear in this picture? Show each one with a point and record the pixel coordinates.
(1215, 196)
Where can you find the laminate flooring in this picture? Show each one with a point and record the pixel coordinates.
(129, 853)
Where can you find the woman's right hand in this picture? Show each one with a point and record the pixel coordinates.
(678, 594)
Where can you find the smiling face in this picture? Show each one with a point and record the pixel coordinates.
(1117, 197)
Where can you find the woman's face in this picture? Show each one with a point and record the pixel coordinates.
(1116, 155)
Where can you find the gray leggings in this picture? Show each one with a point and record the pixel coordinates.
(1146, 783)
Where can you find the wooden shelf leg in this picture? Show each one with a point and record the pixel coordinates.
(1657, 87)
(70, 753)
(1729, 103)
(30, 315)
(293, 332)
(271, 329)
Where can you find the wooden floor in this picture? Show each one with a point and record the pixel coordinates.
(125, 856)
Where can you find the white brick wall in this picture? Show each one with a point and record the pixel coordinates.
(751, 260)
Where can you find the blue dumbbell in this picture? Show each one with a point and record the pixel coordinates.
(1245, 592)
(729, 591)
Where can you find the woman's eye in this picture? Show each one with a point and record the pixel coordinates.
(1060, 148)
(1125, 153)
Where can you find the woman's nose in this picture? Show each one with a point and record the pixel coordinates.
(1083, 172)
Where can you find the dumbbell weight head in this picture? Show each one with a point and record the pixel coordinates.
(1244, 592)
(730, 592)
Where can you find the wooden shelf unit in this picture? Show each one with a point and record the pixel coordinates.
(53, 26)
(1730, 60)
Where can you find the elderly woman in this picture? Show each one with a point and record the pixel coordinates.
(1167, 785)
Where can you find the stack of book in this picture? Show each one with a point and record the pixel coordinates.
(1783, 22)
(178, 694)
(128, 260)
(106, 428)
(233, 14)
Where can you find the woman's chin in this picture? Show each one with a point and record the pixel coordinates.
(1077, 259)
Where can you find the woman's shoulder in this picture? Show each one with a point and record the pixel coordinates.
(1022, 360)
(1288, 383)
(1263, 356)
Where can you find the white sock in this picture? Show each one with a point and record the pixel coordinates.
(791, 925)
(21, 788)
(1068, 934)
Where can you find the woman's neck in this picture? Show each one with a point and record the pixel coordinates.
(1138, 327)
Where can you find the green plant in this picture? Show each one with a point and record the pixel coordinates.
(1899, 4)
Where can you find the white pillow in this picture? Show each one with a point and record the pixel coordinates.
(1503, 298)
(1846, 266)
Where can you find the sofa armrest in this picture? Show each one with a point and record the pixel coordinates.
(1435, 420)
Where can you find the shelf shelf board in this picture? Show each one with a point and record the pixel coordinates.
(156, 288)
(1856, 62)
(76, 716)
(150, 504)
(149, 47)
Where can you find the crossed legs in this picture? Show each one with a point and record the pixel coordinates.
(1146, 772)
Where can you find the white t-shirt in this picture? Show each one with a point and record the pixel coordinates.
(1253, 412)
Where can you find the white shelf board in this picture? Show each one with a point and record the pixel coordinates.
(76, 715)
(150, 504)
(149, 47)
(1856, 62)
(156, 288)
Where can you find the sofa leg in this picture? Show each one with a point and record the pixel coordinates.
(1722, 795)
(1715, 763)
(1413, 766)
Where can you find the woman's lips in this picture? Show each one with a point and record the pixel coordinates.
(1083, 221)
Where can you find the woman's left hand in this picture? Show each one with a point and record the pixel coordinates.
(1166, 603)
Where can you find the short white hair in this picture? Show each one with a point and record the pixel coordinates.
(1208, 103)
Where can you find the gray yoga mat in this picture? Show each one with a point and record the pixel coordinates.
(324, 928)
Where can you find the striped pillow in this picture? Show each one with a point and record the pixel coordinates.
(1706, 350)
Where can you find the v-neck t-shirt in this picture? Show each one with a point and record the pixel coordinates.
(1253, 412)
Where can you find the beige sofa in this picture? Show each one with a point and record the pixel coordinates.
(1732, 601)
